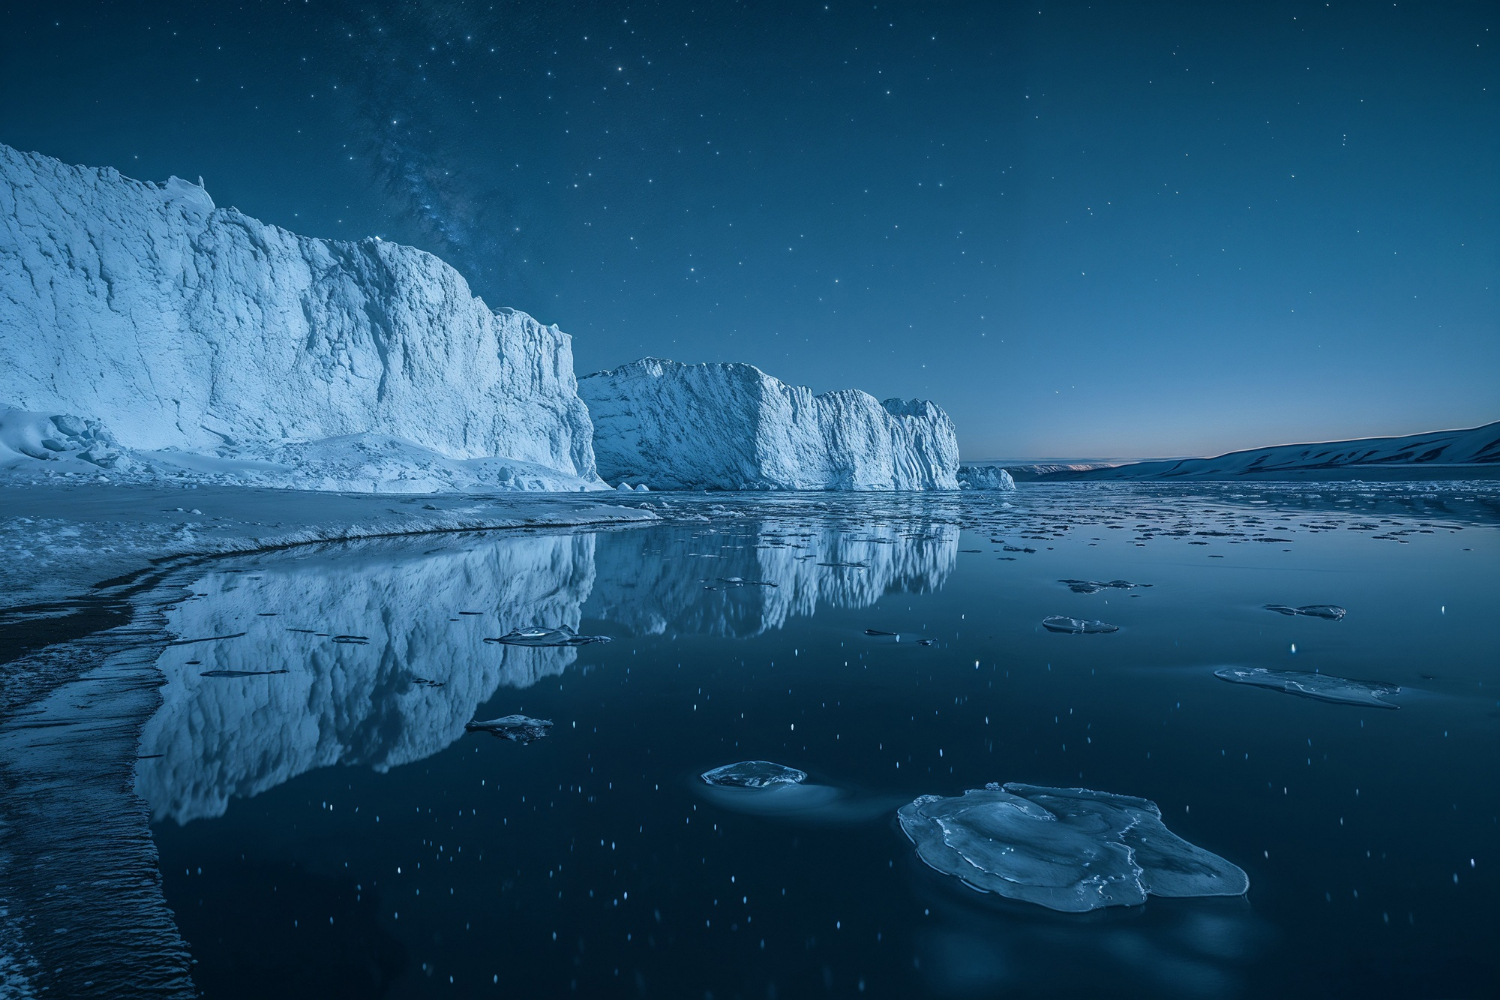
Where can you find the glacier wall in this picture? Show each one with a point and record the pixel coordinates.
(733, 427)
(158, 325)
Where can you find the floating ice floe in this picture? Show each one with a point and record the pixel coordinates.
(1323, 687)
(1062, 623)
(516, 728)
(754, 774)
(734, 581)
(1069, 849)
(1332, 612)
(1094, 586)
(241, 673)
(538, 635)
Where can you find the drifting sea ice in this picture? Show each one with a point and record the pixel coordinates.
(1069, 849)
(1323, 687)
(516, 728)
(754, 774)
(1332, 612)
(1062, 623)
(1094, 586)
(538, 635)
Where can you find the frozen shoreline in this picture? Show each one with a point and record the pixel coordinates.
(60, 540)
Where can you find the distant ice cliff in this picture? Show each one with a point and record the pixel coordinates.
(733, 427)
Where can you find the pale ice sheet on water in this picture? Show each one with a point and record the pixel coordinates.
(1070, 849)
(1062, 623)
(1323, 687)
(1330, 612)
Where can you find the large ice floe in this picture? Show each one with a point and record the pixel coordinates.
(1323, 687)
(147, 333)
(1069, 849)
(733, 427)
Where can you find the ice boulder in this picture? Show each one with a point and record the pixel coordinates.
(1069, 849)
(984, 477)
(733, 427)
(143, 321)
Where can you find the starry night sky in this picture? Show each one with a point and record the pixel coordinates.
(1107, 230)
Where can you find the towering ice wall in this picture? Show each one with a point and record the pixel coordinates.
(138, 323)
(733, 427)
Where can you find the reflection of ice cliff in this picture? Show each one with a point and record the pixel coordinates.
(347, 702)
(725, 589)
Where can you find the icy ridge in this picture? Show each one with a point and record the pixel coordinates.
(143, 326)
(733, 427)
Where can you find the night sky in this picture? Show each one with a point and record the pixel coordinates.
(1113, 230)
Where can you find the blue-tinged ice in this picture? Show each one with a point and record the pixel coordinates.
(1094, 586)
(540, 635)
(516, 728)
(1069, 849)
(1332, 612)
(1324, 687)
(754, 774)
(1062, 623)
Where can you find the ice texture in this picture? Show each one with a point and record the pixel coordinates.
(1332, 612)
(516, 728)
(733, 427)
(540, 635)
(1062, 623)
(754, 774)
(146, 330)
(1323, 687)
(1094, 586)
(984, 477)
(1069, 849)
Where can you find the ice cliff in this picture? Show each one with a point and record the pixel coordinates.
(733, 427)
(147, 331)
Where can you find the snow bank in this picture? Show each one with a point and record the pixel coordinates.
(733, 427)
(984, 477)
(143, 326)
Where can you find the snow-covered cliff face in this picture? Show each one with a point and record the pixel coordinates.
(151, 321)
(733, 427)
(984, 477)
(399, 696)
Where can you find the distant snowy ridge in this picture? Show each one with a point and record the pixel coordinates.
(147, 332)
(733, 427)
(1456, 454)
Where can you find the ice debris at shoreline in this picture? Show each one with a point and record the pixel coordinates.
(1094, 586)
(1069, 849)
(516, 728)
(754, 774)
(1323, 687)
(1076, 626)
(1330, 612)
(538, 635)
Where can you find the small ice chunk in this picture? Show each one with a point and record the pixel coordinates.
(241, 673)
(1324, 687)
(642, 488)
(1094, 586)
(624, 488)
(516, 728)
(1062, 623)
(540, 635)
(735, 581)
(876, 631)
(1069, 849)
(754, 774)
(1332, 612)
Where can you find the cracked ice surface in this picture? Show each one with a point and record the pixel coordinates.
(1069, 849)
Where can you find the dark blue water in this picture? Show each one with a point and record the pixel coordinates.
(333, 831)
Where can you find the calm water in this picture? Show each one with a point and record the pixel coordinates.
(333, 830)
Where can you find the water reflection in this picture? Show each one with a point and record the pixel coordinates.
(383, 642)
